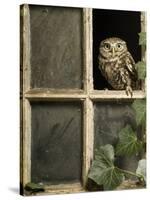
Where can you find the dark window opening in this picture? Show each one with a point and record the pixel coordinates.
(111, 23)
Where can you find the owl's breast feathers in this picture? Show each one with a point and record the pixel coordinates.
(120, 71)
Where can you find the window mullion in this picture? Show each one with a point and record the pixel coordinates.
(88, 134)
(88, 53)
(25, 47)
(88, 137)
(25, 156)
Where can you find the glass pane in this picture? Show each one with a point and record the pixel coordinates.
(110, 118)
(56, 150)
(56, 47)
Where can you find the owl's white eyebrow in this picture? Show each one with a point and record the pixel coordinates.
(105, 43)
(122, 42)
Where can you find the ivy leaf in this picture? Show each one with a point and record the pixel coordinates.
(103, 171)
(139, 105)
(128, 143)
(142, 38)
(141, 170)
(33, 187)
(141, 69)
(107, 151)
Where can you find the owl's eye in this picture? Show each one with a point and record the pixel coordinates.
(107, 46)
(119, 46)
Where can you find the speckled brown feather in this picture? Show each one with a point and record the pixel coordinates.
(119, 70)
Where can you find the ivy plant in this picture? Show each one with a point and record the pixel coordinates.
(139, 105)
(142, 38)
(141, 70)
(103, 170)
(128, 143)
(141, 65)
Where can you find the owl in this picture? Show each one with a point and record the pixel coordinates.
(117, 65)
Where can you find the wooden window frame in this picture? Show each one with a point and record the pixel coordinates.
(87, 96)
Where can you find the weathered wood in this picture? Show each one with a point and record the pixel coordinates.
(56, 97)
(88, 50)
(81, 95)
(26, 142)
(62, 189)
(21, 100)
(97, 95)
(46, 94)
(26, 129)
(39, 91)
(88, 138)
(26, 48)
(64, 186)
(88, 86)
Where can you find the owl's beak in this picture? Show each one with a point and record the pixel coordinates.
(113, 51)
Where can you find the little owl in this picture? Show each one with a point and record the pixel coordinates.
(117, 65)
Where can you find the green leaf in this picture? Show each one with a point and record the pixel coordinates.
(34, 187)
(107, 151)
(142, 38)
(128, 143)
(139, 105)
(103, 171)
(112, 177)
(141, 69)
(141, 170)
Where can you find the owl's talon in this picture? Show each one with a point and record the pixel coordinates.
(106, 89)
(129, 91)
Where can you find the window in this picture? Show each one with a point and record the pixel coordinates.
(66, 110)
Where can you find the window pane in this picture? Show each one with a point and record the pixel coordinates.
(110, 118)
(114, 23)
(56, 150)
(56, 47)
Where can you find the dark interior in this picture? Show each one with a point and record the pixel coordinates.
(114, 23)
